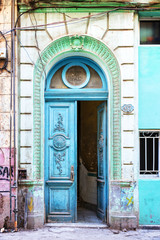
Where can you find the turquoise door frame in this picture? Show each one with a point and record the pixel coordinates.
(61, 189)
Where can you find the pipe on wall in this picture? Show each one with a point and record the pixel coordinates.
(13, 107)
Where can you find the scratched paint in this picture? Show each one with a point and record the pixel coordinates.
(30, 205)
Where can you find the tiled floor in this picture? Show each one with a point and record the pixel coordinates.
(87, 216)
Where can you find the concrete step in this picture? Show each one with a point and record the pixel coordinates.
(77, 225)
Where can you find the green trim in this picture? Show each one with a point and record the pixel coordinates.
(150, 14)
(67, 6)
(70, 10)
(99, 52)
(30, 182)
(123, 183)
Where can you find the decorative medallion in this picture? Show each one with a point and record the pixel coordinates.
(59, 157)
(59, 125)
(76, 42)
(127, 108)
(76, 75)
(59, 142)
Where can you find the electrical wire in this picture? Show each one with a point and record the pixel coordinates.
(37, 45)
(26, 51)
(75, 19)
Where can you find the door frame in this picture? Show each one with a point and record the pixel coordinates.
(74, 95)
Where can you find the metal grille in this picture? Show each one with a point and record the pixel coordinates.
(149, 152)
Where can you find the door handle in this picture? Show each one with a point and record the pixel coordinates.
(101, 181)
(72, 173)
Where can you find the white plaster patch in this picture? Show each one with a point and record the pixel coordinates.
(127, 172)
(26, 88)
(78, 26)
(114, 39)
(26, 71)
(127, 101)
(127, 71)
(127, 139)
(26, 121)
(26, 155)
(121, 20)
(88, 186)
(97, 26)
(26, 105)
(127, 122)
(28, 55)
(43, 39)
(33, 19)
(26, 138)
(55, 30)
(127, 88)
(128, 155)
(27, 38)
(125, 54)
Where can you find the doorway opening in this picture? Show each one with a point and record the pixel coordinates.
(87, 161)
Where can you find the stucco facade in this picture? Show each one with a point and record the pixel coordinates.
(108, 34)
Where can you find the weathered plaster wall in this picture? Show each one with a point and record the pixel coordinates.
(117, 31)
(87, 185)
(5, 78)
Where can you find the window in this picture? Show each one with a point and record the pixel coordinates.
(149, 152)
(150, 32)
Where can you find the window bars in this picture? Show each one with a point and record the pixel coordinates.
(149, 152)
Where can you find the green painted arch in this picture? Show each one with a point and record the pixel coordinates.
(82, 45)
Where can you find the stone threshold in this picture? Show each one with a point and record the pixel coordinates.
(77, 225)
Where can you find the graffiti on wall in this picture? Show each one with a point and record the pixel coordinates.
(5, 169)
(127, 198)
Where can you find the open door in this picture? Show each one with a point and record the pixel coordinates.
(102, 161)
(61, 161)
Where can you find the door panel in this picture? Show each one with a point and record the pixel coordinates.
(61, 161)
(102, 165)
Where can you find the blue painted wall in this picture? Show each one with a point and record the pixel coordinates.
(149, 202)
(149, 118)
(149, 87)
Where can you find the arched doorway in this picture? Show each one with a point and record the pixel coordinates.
(76, 95)
(98, 53)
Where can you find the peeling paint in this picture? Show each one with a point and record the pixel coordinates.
(30, 205)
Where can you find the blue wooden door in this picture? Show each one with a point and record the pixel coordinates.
(102, 162)
(61, 161)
